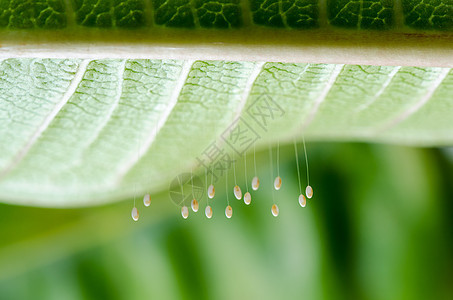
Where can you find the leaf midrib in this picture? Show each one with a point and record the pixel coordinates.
(430, 49)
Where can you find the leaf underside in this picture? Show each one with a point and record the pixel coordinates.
(85, 132)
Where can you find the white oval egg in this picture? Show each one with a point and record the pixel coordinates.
(277, 183)
(134, 214)
(185, 212)
(255, 183)
(194, 205)
(274, 210)
(211, 191)
(302, 200)
(247, 198)
(208, 212)
(147, 200)
(237, 192)
(309, 192)
(229, 212)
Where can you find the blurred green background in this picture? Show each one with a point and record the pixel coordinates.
(380, 226)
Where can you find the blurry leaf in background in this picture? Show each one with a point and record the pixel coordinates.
(380, 226)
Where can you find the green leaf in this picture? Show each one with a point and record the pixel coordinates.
(377, 14)
(377, 32)
(105, 121)
(81, 132)
(297, 14)
(29, 14)
(428, 15)
(305, 14)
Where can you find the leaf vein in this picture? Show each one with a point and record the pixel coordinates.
(46, 122)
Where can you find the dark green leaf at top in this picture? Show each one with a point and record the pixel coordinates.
(278, 13)
(173, 13)
(433, 14)
(31, 14)
(219, 13)
(108, 13)
(373, 14)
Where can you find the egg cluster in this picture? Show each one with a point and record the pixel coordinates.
(237, 192)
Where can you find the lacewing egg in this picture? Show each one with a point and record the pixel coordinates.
(237, 192)
(277, 183)
(302, 200)
(211, 191)
(309, 192)
(147, 200)
(228, 212)
(194, 205)
(134, 214)
(274, 210)
(185, 212)
(255, 183)
(208, 212)
(247, 198)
